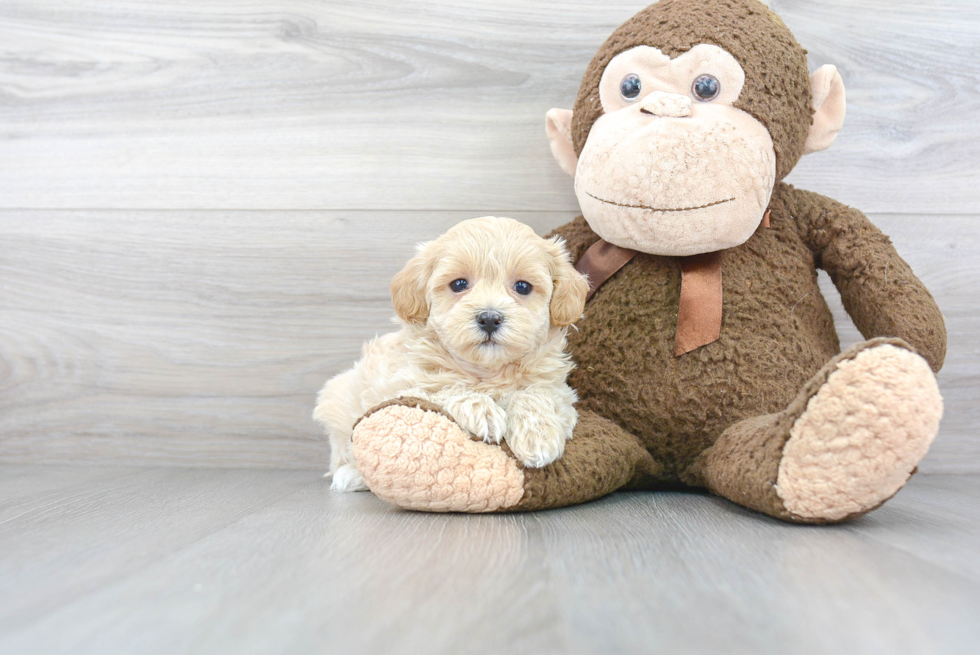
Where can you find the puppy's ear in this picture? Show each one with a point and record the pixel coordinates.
(408, 289)
(571, 287)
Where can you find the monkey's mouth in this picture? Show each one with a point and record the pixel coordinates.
(661, 209)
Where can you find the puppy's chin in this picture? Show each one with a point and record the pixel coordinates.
(488, 353)
(494, 353)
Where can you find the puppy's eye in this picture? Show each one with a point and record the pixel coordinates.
(523, 287)
(459, 285)
(630, 87)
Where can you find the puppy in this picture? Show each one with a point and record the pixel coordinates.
(483, 311)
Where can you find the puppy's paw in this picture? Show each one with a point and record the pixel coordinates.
(536, 438)
(539, 425)
(478, 414)
(538, 447)
(348, 478)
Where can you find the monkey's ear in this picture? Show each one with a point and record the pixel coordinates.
(558, 125)
(829, 105)
(408, 289)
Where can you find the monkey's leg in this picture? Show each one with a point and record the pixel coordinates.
(414, 456)
(845, 445)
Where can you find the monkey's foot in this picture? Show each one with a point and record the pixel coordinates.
(413, 455)
(861, 435)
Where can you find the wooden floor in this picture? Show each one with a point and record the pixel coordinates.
(128, 560)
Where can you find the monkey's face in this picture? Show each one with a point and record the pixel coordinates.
(672, 167)
(679, 156)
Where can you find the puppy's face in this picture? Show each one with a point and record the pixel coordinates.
(490, 289)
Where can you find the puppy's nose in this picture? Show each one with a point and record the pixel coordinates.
(489, 321)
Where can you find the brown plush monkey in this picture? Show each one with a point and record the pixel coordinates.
(707, 356)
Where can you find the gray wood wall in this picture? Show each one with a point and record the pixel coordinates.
(201, 202)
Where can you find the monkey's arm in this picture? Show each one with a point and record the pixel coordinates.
(880, 292)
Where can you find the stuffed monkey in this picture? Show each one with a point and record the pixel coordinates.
(707, 356)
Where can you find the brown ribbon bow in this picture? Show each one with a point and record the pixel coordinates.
(699, 310)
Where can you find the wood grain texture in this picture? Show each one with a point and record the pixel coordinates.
(253, 562)
(198, 338)
(201, 338)
(422, 105)
(927, 518)
(160, 510)
(183, 321)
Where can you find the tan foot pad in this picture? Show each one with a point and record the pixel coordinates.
(420, 459)
(861, 435)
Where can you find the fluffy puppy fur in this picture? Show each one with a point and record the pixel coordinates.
(483, 311)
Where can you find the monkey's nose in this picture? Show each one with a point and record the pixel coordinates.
(666, 105)
(489, 321)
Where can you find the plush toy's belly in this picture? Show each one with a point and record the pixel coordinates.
(776, 333)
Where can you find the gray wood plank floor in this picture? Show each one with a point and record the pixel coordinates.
(127, 560)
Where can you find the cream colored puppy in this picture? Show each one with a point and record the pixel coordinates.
(483, 311)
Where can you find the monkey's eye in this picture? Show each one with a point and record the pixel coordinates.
(523, 287)
(459, 285)
(630, 87)
(706, 88)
